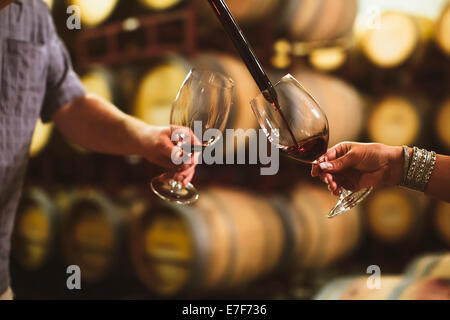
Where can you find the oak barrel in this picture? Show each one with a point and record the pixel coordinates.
(94, 235)
(244, 11)
(397, 38)
(443, 30)
(442, 221)
(430, 265)
(228, 238)
(159, 5)
(158, 88)
(442, 124)
(319, 241)
(343, 106)
(94, 12)
(396, 215)
(245, 89)
(395, 120)
(318, 20)
(36, 231)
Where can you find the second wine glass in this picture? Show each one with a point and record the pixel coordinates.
(203, 103)
(299, 127)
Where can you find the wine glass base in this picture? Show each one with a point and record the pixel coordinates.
(174, 191)
(348, 200)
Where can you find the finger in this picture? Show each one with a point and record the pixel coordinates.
(189, 177)
(342, 163)
(336, 151)
(334, 187)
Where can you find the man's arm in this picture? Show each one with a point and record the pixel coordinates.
(97, 125)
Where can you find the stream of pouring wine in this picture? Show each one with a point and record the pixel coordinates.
(248, 56)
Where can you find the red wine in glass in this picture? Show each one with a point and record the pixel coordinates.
(309, 149)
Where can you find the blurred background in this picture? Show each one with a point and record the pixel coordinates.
(380, 70)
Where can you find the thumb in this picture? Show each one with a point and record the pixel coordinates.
(346, 161)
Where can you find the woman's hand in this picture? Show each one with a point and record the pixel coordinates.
(355, 166)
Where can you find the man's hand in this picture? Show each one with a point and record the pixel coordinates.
(97, 125)
(158, 148)
(355, 166)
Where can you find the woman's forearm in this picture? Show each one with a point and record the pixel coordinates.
(439, 183)
(97, 125)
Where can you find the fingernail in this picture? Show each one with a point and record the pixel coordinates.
(325, 165)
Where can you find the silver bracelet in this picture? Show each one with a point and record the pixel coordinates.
(419, 170)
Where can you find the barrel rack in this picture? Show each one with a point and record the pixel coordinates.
(184, 20)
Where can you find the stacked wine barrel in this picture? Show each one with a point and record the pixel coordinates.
(300, 20)
(426, 278)
(398, 38)
(231, 237)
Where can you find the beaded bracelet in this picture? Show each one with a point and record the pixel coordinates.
(419, 171)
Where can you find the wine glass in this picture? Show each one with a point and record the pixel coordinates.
(203, 103)
(299, 127)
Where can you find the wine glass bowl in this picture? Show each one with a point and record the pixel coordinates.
(296, 124)
(300, 128)
(203, 103)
